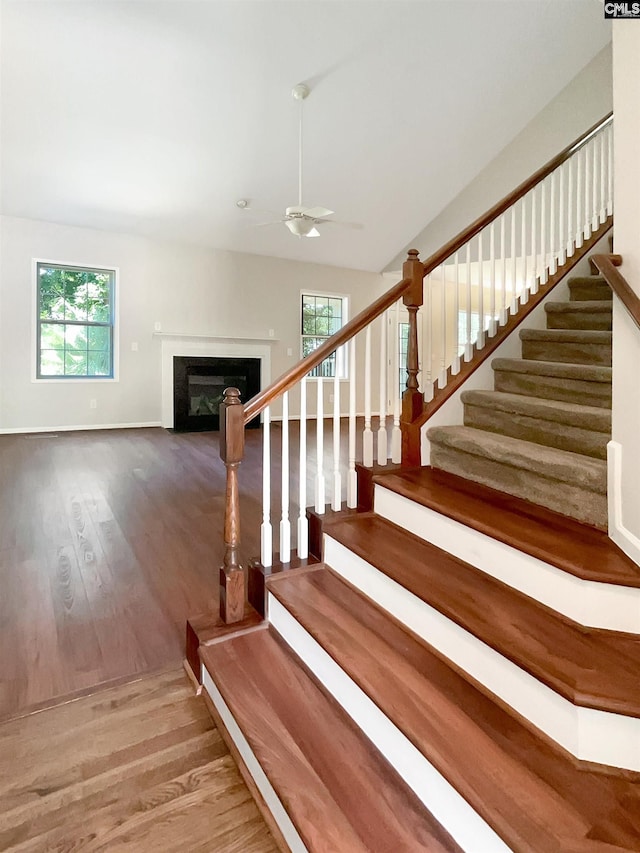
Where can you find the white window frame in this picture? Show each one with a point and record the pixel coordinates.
(35, 354)
(342, 361)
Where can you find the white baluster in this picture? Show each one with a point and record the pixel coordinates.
(303, 524)
(480, 337)
(534, 241)
(455, 365)
(562, 241)
(553, 257)
(352, 478)
(596, 182)
(514, 257)
(468, 349)
(570, 206)
(382, 426)
(320, 484)
(579, 201)
(396, 433)
(492, 280)
(503, 268)
(610, 170)
(428, 361)
(285, 524)
(543, 232)
(588, 179)
(603, 176)
(442, 378)
(336, 503)
(266, 531)
(524, 292)
(367, 437)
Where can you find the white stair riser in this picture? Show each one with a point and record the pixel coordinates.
(588, 734)
(442, 800)
(253, 765)
(593, 604)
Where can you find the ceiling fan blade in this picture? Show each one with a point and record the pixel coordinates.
(317, 212)
(262, 224)
(313, 233)
(357, 226)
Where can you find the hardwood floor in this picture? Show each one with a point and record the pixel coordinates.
(109, 540)
(127, 769)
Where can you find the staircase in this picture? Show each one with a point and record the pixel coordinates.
(542, 433)
(461, 672)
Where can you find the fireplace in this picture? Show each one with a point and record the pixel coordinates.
(198, 389)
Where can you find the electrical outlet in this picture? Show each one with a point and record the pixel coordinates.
(289, 351)
(157, 326)
(93, 403)
(271, 332)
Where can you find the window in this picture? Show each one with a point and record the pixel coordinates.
(75, 322)
(321, 317)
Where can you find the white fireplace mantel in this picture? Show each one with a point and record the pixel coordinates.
(208, 346)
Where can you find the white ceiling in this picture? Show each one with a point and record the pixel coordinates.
(153, 118)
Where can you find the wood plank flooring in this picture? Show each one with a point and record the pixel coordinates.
(135, 768)
(109, 540)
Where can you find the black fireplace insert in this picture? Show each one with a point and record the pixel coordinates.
(198, 389)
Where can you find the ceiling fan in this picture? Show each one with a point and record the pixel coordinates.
(300, 220)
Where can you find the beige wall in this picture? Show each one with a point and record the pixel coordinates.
(624, 458)
(580, 104)
(189, 290)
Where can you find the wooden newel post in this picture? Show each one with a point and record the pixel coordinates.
(412, 398)
(232, 587)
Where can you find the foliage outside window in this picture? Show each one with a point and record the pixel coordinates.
(75, 322)
(321, 317)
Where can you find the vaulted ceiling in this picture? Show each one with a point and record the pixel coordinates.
(154, 118)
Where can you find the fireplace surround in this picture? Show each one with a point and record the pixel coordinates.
(207, 346)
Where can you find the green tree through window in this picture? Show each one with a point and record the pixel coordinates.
(75, 322)
(321, 317)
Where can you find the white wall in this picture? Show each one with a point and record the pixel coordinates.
(578, 106)
(189, 290)
(624, 458)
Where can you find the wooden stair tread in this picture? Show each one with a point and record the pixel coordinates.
(556, 539)
(529, 790)
(589, 667)
(325, 771)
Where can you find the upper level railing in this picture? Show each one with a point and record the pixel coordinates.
(471, 288)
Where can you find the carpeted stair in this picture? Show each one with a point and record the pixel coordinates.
(542, 433)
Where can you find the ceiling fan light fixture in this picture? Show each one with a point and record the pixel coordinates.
(300, 227)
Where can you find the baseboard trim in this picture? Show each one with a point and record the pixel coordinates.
(77, 428)
(624, 538)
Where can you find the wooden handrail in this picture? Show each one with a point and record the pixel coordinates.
(498, 209)
(285, 382)
(607, 266)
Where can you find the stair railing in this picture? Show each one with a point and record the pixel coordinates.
(472, 287)
(607, 266)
